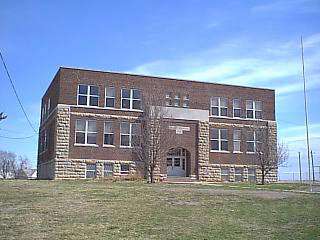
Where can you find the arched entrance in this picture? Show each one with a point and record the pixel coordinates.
(177, 160)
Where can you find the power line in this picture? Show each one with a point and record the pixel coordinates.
(16, 94)
(16, 138)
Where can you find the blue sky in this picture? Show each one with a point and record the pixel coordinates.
(252, 43)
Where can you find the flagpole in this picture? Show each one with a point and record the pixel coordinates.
(306, 111)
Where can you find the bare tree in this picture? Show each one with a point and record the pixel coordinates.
(8, 165)
(154, 140)
(22, 167)
(268, 155)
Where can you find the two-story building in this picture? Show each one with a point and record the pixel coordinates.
(89, 120)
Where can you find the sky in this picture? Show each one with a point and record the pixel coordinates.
(250, 43)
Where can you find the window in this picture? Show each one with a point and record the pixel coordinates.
(253, 142)
(168, 99)
(254, 109)
(49, 105)
(225, 174)
(91, 170)
(108, 133)
(88, 95)
(176, 162)
(131, 99)
(125, 134)
(86, 132)
(124, 168)
(238, 174)
(46, 139)
(251, 174)
(219, 106)
(219, 139)
(236, 140)
(110, 97)
(176, 100)
(130, 134)
(185, 103)
(236, 108)
(108, 169)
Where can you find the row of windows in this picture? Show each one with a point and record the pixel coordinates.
(108, 169)
(219, 107)
(86, 133)
(45, 110)
(219, 140)
(88, 95)
(238, 174)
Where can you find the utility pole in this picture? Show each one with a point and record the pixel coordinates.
(300, 168)
(306, 113)
(312, 166)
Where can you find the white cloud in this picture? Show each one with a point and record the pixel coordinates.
(236, 62)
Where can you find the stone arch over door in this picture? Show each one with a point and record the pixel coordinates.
(178, 162)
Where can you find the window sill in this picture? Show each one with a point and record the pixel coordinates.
(217, 151)
(129, 147)
(124, 173)
(108, 146)
(131, 110)
(237, 152)
(250, 153)
(85, 145)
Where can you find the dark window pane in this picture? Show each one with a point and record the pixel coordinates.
(125, 93)
(214, 145)
(110, 102)
(215, 111)
(92, 138)
(169, 162)
(83, 89)
(250, 147)
(224, 112)
(94, 101)
(177, 162)
(249, 113)
(125, 127)
(238, 178)
(126, 103)
(224, 134)
(124, 168)
(80, 125)
(90, 174)
(82, 100)
(108, 139)
(236, 112)
(224, 145)
(214, 133)
(110, 92)
(136, 94)
(136, 104)
(80, 138)
(91, 167)
(250, 136)
(94, 90)
(258, 115)
(108, 169)
(124, 140)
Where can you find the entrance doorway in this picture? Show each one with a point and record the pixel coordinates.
(176, 162)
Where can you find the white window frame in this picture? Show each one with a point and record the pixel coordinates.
(168, 100)
(128, 134)
(95, 170)
(219, 139)
(177, 99)
(236, 140)
(125, 172)
(86, 132)
(254, 141)
(236, 108)
(218, 106)
(88, 95)
(254, 109)
(105, 172)
(186, 99)
(131, 99)
(110, 133)
(106, 96)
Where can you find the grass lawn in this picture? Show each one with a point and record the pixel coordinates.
(136, 210)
